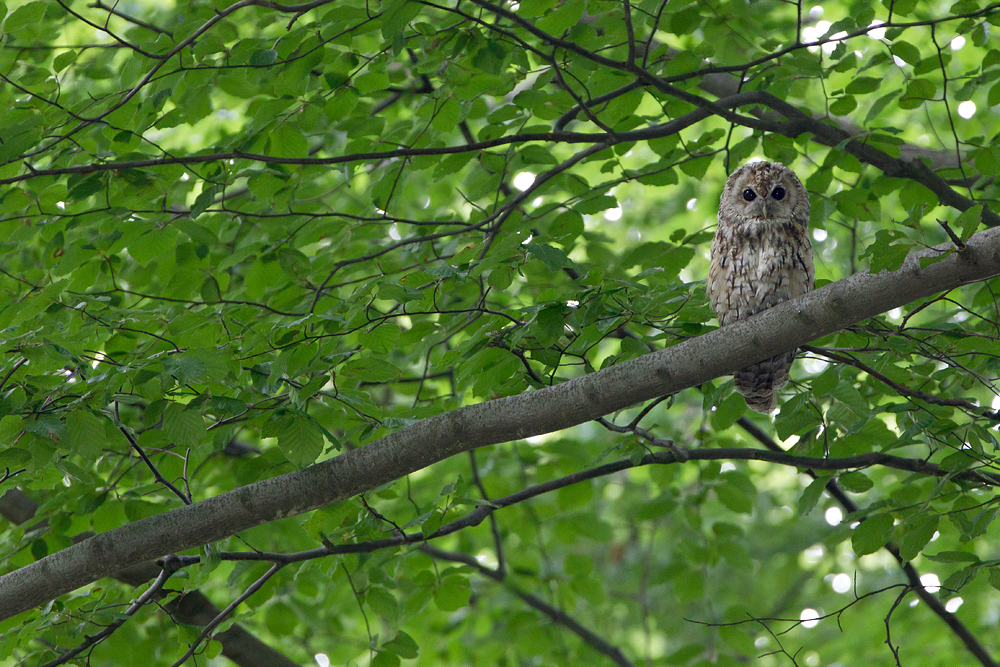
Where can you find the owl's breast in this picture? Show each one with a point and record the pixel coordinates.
(757, 269)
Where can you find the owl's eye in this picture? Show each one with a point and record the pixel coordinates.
(750, 195)
(778, 193)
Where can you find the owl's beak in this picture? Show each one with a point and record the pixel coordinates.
(763, 208)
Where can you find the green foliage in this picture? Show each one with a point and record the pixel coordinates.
(241, 238)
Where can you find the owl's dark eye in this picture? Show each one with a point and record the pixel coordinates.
(778, 193)
(750, 195)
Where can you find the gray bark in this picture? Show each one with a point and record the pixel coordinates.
(192, 608)
(417, 446)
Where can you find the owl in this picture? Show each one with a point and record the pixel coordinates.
(761, 256)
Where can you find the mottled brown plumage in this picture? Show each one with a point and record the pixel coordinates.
(761, 256)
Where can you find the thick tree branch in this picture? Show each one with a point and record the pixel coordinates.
(428, 441)
(192, 608)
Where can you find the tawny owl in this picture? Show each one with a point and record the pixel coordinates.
(761, 256)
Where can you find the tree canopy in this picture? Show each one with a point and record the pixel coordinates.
(375, 333)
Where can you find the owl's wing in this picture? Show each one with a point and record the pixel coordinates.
(720, 285)
(785, 271)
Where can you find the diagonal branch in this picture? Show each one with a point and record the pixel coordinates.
(556, 614)
(932, 601)
(688, 364)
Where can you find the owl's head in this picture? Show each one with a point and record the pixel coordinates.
(766, 191)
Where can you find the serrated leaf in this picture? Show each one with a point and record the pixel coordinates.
(810, 495)
(186, 368)
(286, 141)
(311, 387)
(183, 426)
(552, 257)
(872, 534)
(299, 439)
(370, 369)
(403, 646)
(917, 534)
(969, 221)
(84, 434)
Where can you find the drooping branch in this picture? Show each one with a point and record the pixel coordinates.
(428, 441)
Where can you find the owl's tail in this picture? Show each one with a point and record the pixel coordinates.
(759, 383)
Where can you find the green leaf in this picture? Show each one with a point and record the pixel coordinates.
(686, 20)
(310, 388)
(726, 414)
(186, 368)
(994, 577)
(452, 593)
(843, 105)
(48, 427)
(737, 491)
(697, 167)
(501, 277)
(795, 417)
(370, 369)
(382, 602)
(554, 258)
(906, 52)
(917, 533)
(385, 659)
(872, 534)
(567, 15)
(281, 618)
(84, 434)
(286, 141)
(596, 205)
(993, 97)
(404, 646)
(888, 251)
(969, 221)
(183, 426)
(263, 57)
(811, 495)
(25, 15)
(299, 439)
(863, 84)
(855, 481)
